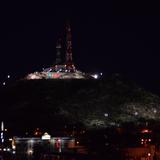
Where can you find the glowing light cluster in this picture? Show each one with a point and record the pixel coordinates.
(56, 75)
(46, 136)
(97, 75)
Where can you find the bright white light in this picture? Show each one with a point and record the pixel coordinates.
(155, 111)
(46, 136)
(136, 113)
(1, 135)
(8, 76)
(14, 152)
(2, 126)
(4, 149)
(8, 149)
(4, 83)
(106, 114)
(13, 147)
(101, 73)
(95, 76)
(30, 151)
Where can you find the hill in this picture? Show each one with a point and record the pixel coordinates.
(90, 103)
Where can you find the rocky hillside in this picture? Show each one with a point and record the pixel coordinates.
(93, 103)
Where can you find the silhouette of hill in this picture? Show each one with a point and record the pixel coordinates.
(90, 103)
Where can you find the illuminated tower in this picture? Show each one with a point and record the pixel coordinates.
(69, 60)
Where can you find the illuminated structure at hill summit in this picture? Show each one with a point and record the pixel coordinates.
(60, 70)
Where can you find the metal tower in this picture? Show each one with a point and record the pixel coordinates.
(69, 60)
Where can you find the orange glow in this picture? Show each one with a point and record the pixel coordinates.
(37, 132)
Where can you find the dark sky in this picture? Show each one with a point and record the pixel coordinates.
(107, 37)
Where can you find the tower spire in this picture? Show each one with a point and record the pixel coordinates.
(69, 59)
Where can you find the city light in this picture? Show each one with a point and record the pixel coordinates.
(31, 141)
(30, 152)
(155, 111)
(106, 114)
(136, 113)
(146, 131)
(2, 126)
(95, 76)
(13, 147)
(8, 76)
(46, 136)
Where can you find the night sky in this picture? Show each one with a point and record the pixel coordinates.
(112, 37)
